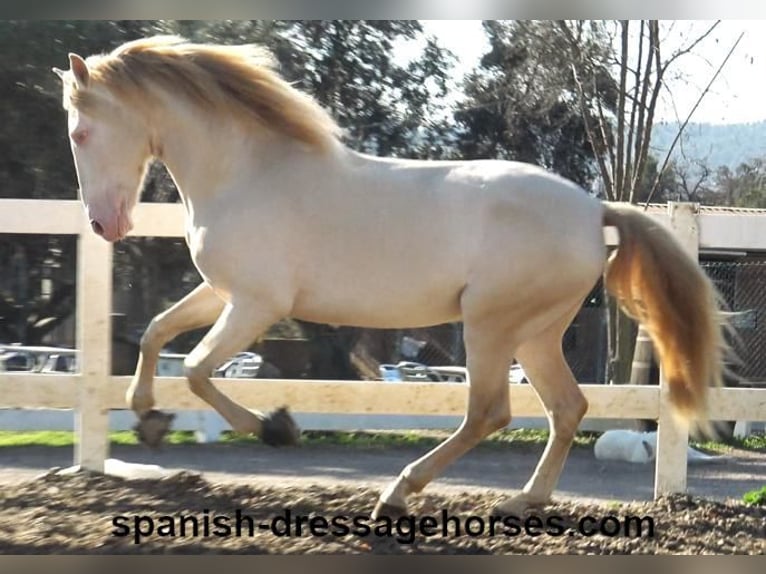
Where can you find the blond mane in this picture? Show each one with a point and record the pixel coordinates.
(227, 79)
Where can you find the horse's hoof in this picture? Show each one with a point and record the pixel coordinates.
(280, 429)
(152, 427)
(391, 511)
(517, 506)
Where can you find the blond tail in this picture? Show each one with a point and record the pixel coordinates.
(657, 283)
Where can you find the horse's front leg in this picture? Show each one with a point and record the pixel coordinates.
(199, 308)
(239, 324)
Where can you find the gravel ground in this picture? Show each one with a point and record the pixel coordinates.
(51, 513)
(89, 513)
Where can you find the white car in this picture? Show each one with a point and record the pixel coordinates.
(517, 375)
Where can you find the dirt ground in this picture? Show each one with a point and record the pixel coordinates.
(334, 488)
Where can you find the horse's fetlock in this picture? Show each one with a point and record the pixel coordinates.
(409, 481)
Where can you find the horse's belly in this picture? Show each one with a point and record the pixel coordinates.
(378, 306)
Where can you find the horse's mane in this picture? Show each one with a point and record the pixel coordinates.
(227, 79)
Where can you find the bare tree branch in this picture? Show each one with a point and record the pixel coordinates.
(654, 35)
(605, 141)
(677, 54)
(619, 168)
(628, 176)
(600, 148)
(688, 117)
(642, 143)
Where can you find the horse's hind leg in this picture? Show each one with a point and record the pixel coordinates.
(565, 405)
(488, 356)
(238, 325)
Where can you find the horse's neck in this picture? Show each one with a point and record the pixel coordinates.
(204, 156)
(207, 158)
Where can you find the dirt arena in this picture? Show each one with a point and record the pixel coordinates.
(96, 514)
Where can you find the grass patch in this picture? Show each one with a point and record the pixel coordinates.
(66, 438)
(421, 439)
(755, 497)
(753, 442)
(352, 439)
(36, 438)
(424, 439)
(355, 439)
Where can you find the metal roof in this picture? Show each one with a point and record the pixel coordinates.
(711, 209)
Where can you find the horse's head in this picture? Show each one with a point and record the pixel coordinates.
(110, 144)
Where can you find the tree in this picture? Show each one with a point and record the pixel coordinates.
(621, 137)
(349, 66)
(519, 102)
(745, 186)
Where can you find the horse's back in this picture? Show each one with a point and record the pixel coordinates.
(396, 243)
(413, 236)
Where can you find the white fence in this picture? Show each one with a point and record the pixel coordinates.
(93, 392)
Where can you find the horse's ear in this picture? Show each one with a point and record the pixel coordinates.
(59, 72)
(79, 69)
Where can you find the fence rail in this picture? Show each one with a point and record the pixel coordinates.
(93, 391)
(364, 397)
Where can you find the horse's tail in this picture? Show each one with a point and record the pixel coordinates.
(660, 285)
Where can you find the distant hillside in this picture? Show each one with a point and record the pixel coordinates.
(716, 145)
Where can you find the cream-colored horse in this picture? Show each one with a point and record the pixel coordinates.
(283, 220)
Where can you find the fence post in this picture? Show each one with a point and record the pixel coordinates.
(94, 339)
(672, 434)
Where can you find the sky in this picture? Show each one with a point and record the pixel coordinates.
(738, 95)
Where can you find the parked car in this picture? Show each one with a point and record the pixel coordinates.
(243, 365)
(37, 359)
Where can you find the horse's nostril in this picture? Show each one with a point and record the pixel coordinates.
(96, 226)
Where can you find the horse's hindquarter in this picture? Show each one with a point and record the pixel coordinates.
(542, 249)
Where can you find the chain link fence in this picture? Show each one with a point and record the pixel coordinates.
(742, 284)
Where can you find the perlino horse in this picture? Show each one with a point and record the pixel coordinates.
(508, 248)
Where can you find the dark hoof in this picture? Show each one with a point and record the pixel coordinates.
(388, 510)
(152, 427)
(280, 429)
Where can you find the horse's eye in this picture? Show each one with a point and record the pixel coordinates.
(79, 136)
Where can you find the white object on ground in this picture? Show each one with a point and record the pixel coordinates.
(640, 447)
(116, 467)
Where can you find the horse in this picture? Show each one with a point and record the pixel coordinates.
(508, 248)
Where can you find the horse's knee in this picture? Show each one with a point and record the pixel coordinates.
(139, 399)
